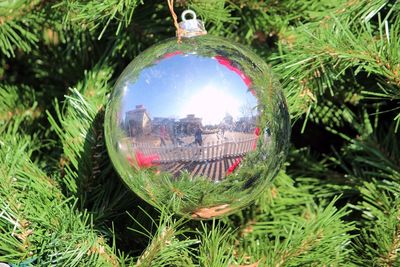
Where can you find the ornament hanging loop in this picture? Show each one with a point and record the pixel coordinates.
(191, 27)
(188, 12)
(187, 27)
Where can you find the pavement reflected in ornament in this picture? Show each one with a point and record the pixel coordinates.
(203, 122)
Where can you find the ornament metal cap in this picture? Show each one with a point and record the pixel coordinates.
(191, 27)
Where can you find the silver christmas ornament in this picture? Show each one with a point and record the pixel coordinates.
(200, 127)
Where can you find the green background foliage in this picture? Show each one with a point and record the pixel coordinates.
(335, 203)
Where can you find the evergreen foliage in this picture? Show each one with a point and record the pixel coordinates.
(336, 203)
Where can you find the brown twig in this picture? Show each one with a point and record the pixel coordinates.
(175, 18)
(389, 259)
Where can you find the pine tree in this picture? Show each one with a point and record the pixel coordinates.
(335, 203)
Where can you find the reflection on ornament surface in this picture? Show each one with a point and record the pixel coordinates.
(200, 126)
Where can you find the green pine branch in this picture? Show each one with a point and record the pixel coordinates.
(17, 102)
(38, 224)
(324, 51)
(92, 15)
(87, 171)
(290, 229)
(20, 24)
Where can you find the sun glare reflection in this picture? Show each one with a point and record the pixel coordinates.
(212, 104)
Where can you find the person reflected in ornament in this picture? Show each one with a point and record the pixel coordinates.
(173, 135)
(221, 133)
(198, 136)
(163, 135)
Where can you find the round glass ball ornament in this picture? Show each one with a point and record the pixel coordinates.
(200, 126)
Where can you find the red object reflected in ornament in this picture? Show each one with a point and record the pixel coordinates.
(144, 161)
(172, 54)
(227, 63)
(233, 167)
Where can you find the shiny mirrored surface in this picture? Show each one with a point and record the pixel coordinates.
(200, 126)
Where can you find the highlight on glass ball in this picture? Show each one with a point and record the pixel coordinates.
(200, 127)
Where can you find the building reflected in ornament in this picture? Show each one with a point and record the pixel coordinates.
(137, 121)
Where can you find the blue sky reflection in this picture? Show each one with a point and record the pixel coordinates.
(190, 84)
